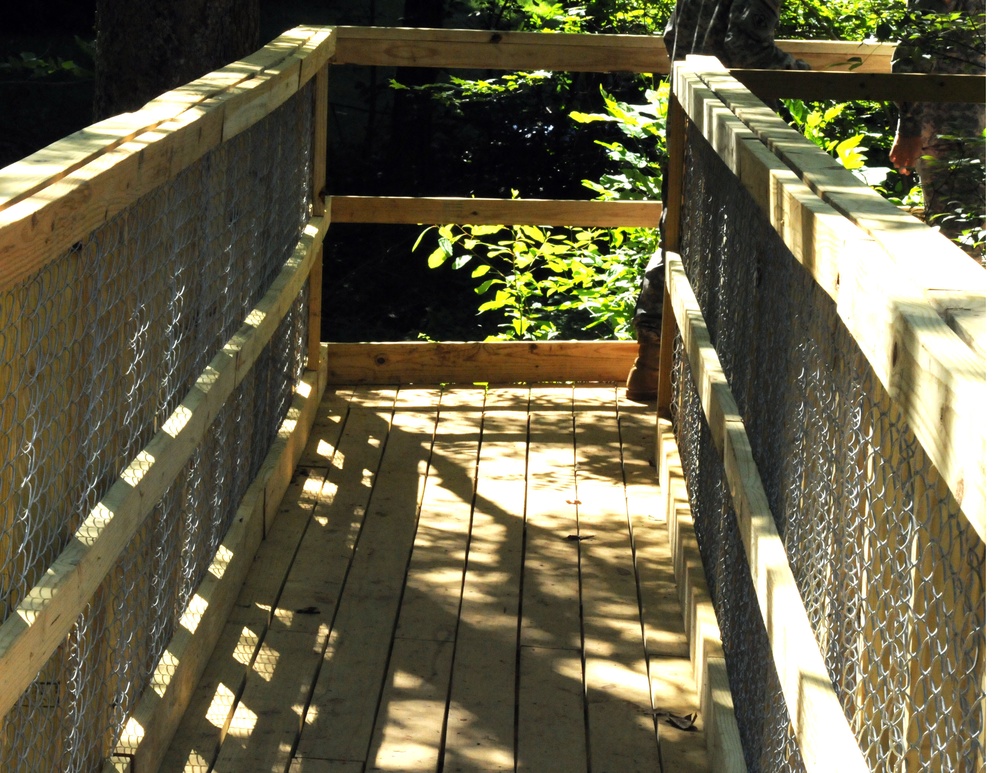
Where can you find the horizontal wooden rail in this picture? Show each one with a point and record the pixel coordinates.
(824, 736)
(495, 363)
(877, 86)
(887, 271)
(495, 50)
(44, 617)
(55, 197)
(397, 209)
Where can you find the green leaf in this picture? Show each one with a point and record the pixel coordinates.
(533, 232)
(437, 258)
(485, 230)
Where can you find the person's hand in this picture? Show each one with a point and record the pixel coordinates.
(904, 153)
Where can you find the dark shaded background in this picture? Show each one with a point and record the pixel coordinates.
(381, 141)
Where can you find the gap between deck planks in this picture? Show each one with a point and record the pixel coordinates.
(458, 579)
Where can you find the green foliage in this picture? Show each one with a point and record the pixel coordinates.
(834, 19)
(636, 157)
(574, 282)
(623, 16)
(549, 283)
(814, 121)
(33, 66)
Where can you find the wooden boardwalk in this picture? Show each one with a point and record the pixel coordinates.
(459, 579)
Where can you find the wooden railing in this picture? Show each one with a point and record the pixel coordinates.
(54, 198)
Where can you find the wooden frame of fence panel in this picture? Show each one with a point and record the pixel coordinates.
(886, 275)
(42, 620)
(825, 737)
(501, 50)
(52, 199)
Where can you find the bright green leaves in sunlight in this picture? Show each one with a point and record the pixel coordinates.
(550, 283)
(815, 124)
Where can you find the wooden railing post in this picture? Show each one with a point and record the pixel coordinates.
(319, 209)
(671, 238)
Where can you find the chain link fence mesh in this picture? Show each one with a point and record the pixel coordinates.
(98, 349)
(891, 573)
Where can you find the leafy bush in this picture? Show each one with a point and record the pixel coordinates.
(571, 282)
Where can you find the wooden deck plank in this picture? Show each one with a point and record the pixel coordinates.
(551, 733)
(663, 621)
(260, 715)
(282, 679)
(621, 730)
(434, 576)
(550, 615)
(259, 597)
(345, 702)
(268, 717)
(481, 708)
(409, 731)
(196, 743)
(550, 689)
(408, 734)
(667, 648)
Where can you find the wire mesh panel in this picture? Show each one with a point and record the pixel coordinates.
(98, 349)
(891, 573)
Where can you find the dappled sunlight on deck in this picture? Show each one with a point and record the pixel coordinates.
(453, 582)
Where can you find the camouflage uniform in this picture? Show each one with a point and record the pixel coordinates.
(740, 33)
(941, 134)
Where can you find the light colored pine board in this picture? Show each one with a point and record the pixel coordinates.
(258, 597)
(825, 737)
(437, 564)
(199, 735)
(494, 50)
(38, 228)
(473, 362)
(662, 619)
(480, 727)
(887, 274)
(401, 209)
(316, 576)
(344, 705)
(621, 730)
(551, 733)
(408, 733)
(28, 637)
(550, 612)
(841, 55)
(710, 686)
(308, 765)
(269, 714)
(331, 417)
(293, 434)
(848, 86)
(674, 693)
(723, 732)
(311, 547)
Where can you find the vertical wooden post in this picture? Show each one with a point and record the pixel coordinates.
(677, 137)
(319, 209)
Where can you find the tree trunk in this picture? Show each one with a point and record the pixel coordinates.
(146, 48)
(410, 162)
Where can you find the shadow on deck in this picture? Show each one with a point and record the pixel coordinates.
(458, 579)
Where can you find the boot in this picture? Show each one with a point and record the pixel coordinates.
(644, 378)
